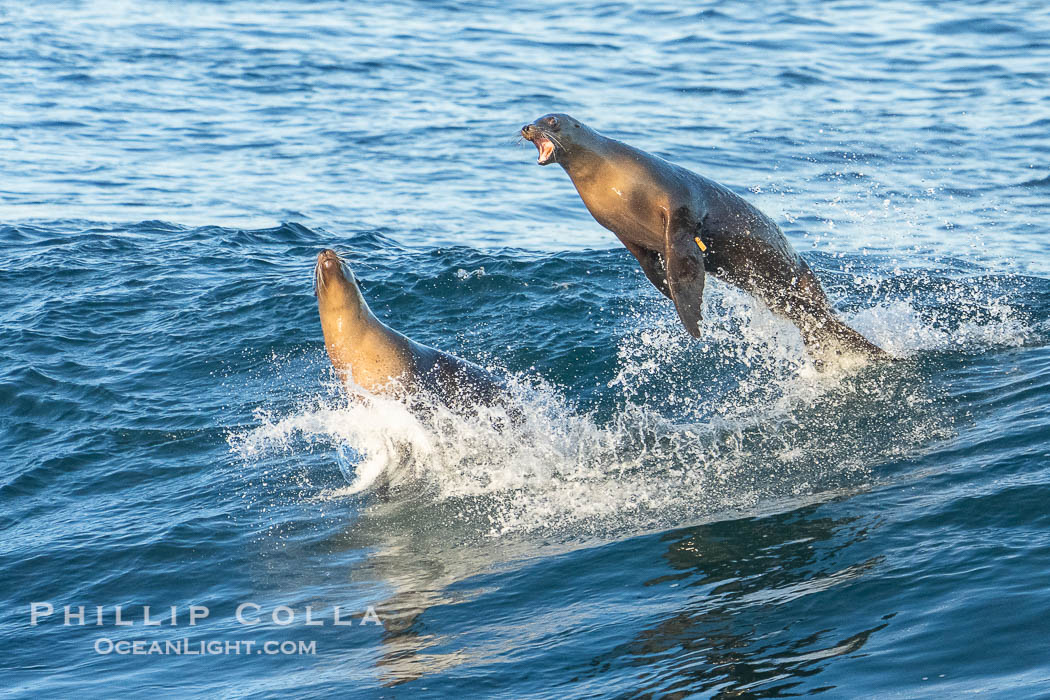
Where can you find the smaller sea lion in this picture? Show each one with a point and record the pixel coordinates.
(381, 360)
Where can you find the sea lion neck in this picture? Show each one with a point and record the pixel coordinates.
(586, 154)
(359, 345)
(347, 303)
(592, 164)
(582, 163)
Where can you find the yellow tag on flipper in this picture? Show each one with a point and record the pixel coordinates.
(703, 248)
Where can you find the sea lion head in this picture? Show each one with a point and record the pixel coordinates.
(335, 285)
(556, 137)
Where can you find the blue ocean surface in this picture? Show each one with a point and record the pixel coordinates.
(671, 517)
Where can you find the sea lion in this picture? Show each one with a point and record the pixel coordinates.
(381, 360)
(680, 225)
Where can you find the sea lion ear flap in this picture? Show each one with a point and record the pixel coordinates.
(685, 269)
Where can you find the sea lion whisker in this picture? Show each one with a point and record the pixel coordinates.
(344, 265)
(554, 139)
(319, 283)
(342, 256)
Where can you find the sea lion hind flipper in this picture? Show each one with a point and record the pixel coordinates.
(652, 263)
(685, 269)
(855, 342)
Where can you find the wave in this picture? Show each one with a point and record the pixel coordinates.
(681, 432)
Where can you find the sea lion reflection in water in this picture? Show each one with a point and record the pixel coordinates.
(380, 360)
(680, 226)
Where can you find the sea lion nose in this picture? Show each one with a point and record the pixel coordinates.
(327, 260)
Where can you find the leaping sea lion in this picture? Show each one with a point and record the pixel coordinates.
(680, 225)
(381, 360)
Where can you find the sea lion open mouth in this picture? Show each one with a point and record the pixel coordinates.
(546, 148)
(543, 143)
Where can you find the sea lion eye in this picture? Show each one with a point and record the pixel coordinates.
(552, 121)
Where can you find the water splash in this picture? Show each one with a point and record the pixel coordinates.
(683, 432)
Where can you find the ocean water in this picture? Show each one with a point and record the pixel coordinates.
(673, 517)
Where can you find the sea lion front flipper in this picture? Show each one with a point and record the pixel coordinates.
(685, 269)
(653, 266)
